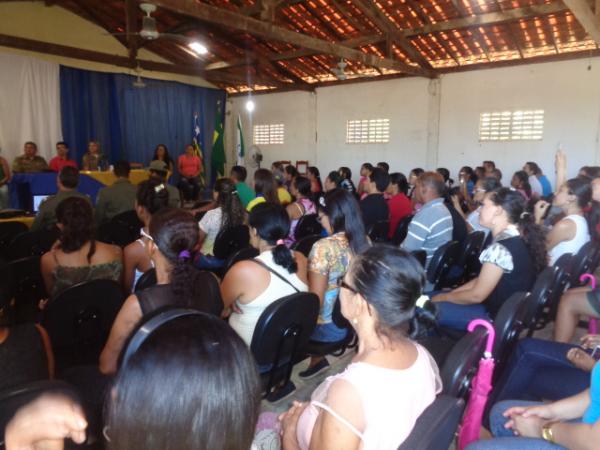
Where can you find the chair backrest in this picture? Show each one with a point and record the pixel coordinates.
(230, 240)
(32, 243)
(129, 221)
(147, 280)
(421, 256)
(116, 233)
(436, 426)
(8, 231)
(13, 399)
(378, 232)
(27, 285)
(305, 244)
(582, 262)
(241, 255)
(539, 297)
(469, 257)
(79, 319)
(562, 279)
(441, 262)
(461, 364)
(401, 230)
(283, 327)
(509, 323)
(307, 225)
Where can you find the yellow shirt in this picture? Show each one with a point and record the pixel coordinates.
(255, 202)
(284, 196)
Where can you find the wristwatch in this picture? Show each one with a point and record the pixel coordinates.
(547, 433)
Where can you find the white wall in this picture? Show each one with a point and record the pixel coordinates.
(315, 124)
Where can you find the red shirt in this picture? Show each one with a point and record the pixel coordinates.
(57, 163)
(400, 207)
(189, 166)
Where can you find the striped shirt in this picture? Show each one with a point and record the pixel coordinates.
(429, 229)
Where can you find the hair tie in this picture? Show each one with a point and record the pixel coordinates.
(234, 192)
(524, 215)
(159, 188)
(280, 242)
(184, 254)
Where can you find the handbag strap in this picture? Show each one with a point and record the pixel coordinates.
(264, 266)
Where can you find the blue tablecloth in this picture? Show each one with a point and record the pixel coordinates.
(24, 186)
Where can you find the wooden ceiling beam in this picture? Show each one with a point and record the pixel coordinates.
(213, 14)
(131, 27)
(586, 17)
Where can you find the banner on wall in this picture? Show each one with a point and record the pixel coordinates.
(218, 150)
(196, 140)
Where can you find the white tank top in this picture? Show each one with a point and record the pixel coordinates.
(582, 236)
(245, 323)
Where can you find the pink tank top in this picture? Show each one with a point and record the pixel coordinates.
(392, 401)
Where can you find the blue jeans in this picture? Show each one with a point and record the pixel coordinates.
(207, 262)
(328, 332)
(538, 370)
(457, 317)
(505, 439)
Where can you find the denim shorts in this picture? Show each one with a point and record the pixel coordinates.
(328, 332)
(593, 298)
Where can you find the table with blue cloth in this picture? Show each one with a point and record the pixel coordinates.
(24, 186)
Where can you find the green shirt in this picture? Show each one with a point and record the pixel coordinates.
(25, 164)
(245, 193)
(115, 199)
(46, 216)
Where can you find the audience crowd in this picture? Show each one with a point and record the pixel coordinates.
(193, 382)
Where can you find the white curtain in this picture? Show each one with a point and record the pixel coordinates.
(29, 105)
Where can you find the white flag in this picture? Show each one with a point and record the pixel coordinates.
(239, 143)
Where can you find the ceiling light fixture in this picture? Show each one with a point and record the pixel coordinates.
(250, 106)
(198, 48)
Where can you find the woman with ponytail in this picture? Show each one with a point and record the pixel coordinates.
(510, 264)
(170, 242)
(252, 285)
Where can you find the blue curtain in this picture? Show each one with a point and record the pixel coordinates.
(129, 122)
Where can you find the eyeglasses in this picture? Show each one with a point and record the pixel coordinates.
(146, 235)
(345, 285)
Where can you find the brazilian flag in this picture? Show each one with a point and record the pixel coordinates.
(218, 149)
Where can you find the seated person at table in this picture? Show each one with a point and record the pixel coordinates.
(67, 182)
(190, 167)
(151, 197)
(5, 177)
(374, 207)
(431, 227)
(158, 171)
(245, 192)
(77, 256)
(62, 158)
(265, 187)
(161, 153)
(93, 160)
(172, 238)
(570, 233)
(510, 264)
(303, 205)
(25, 351)
(117, 198)
(398, 203)
(228, 212)
(253, 285)
(571, 423)
(375, 402)
(30, 161)
(328, 261)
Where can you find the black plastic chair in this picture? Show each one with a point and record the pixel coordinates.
(582, 263)
(307, 226)
(13, 399)
(441, 262)
(436, 426)
(539, 299)
(562, 280)
(421, 256)
(79, 320)
(241, 255)
(283, 328)
(32, 243)
(401, 230)
(336, 348)
(469, 258)
(27, 287)
(462, 363)
(115, 233)
(8, 231)
(131, 221)
(305, 244)
(509, 323)
(230, 240)
(378, 232)
(148, 279)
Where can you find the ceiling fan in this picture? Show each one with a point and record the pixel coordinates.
(340, 70)
(150, 32)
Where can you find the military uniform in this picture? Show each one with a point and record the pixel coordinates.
(115, 199)
(46, 216)
(23, 164)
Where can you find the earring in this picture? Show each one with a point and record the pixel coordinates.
(355, 321)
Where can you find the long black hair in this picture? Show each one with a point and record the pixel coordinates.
(399, 180)
(76, 217)
(343, 212)
(272, 224)
(172, 394)
(152, 194)
(266, 185)
(175, 233)
(581, 189)
(523, 178)
(232, 210)
(346, 181)
(167, 158)
(534, 236)
(314, 171)
(391, 280)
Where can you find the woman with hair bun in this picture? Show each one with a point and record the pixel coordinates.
(171, 239)
(252, 285)
(376, 401)
(77, 256)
